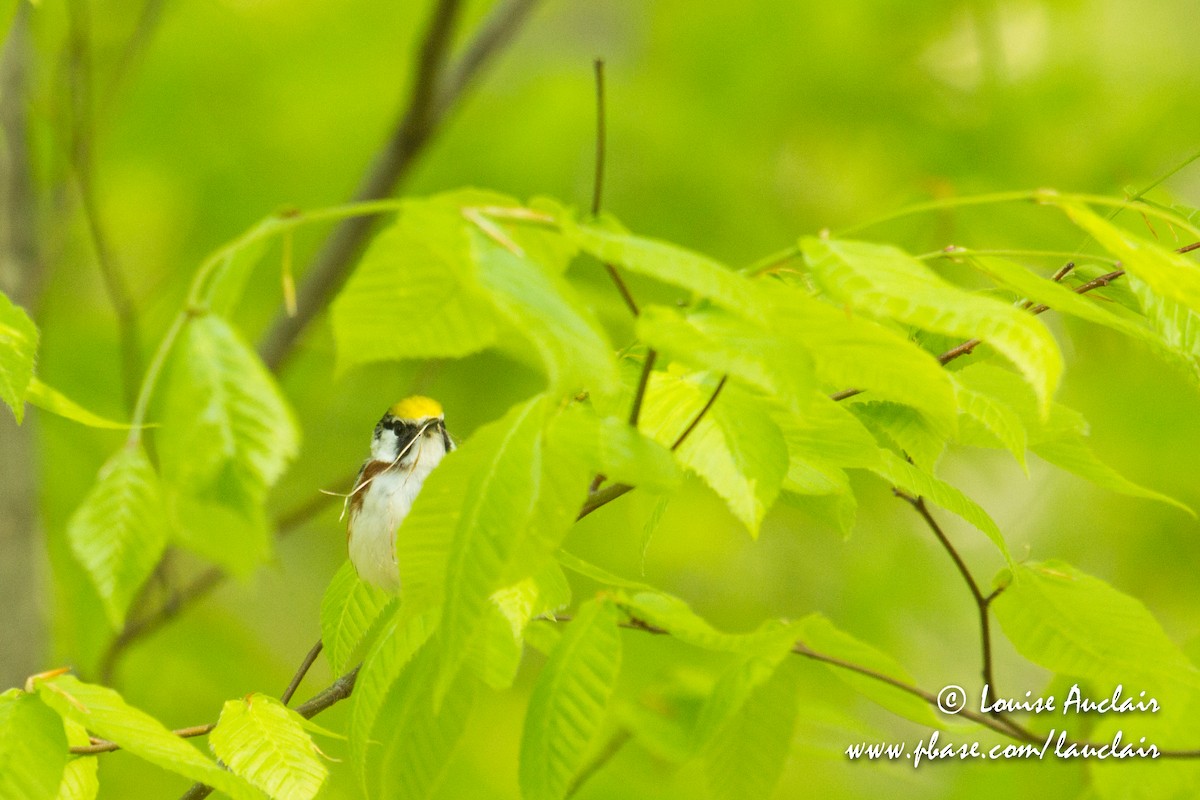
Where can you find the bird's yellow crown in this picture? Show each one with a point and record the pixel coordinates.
(416, 407)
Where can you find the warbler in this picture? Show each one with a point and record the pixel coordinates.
(409, 441)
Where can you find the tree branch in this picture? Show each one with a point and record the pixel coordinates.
(431, 99)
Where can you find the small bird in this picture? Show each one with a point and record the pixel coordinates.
(409, 441)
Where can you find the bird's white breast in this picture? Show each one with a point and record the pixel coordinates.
(386, 501)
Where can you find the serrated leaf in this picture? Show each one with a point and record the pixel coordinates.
(997, 419)
(670, 264)
(228, 434)
(350, 608)
(713, 339)
(106, 714)
(884, 281)
(737, 449)
(903, 427)
(599, 574)
(515, 514)
(919, 483)
(615, 449)
(379, 679)
(50, 399)
(415, 293)
(738, 683)
(1169, 275)
(573, 347)
(407, 748)
(1177, 326)
(569, 701)
(819, 634)
(33, 747)
(747, 757)
(120, 530)
(223, 411)
(79, 779)
(1074, 455)
(662, 610)
(850, 351)
(18, 351)
(264, 741)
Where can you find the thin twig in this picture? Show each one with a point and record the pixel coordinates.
(982, 602)
(601, 137)
(437, 87)
(305, 665)
(696, 420)
(639, 395)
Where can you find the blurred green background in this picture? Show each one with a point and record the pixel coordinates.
(733, 128)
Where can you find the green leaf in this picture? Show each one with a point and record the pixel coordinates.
(819, 634)
(1169, 275)
(615, 449)
(228, 435)
(350, 609)
(120, 530)
(33, 747)
(18, 351)
(661, 610)
(103, 712)
(568, 702)
(379, 679)
(903, 427)
(223, 411)
(1000, 421)
(406, 751)
(714, 339)
(747, 757)
(1076, 624)
(736, 448)
(574, 349)
(853, 352)
(79, 780)
(738, 683)
(228, 281)
(415, 293)
(50, 399)
(670, 264)
(515, 514)
(1177, 326)
(884, 281)
(264, 741)
(918, 483)
(1074, 455)
(599, 574)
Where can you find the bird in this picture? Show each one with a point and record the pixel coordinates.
(409, 441)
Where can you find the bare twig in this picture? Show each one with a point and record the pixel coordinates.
(639, 395)
(303, 669)
(704, 411)
(436, 88)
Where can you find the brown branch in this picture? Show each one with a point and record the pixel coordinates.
(431, 100)
(639, 395)
(696, 420)
(305, 665)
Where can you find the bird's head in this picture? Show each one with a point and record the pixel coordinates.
(410, 427)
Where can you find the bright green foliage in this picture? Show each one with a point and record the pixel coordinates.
(819, 634)
(670, 264)
(918, 483)
(265, 742)
(1079, 626)
(886, 282)
(80, 780)
(535, 301)
(105, 714)
(350, 609)
(747, 756)
(717, 340)
(410, 737)
(515, 513)
(33, 747)
(18, 350)
(672, 614)
(120, 529)
(50, 399)
(1176, 325)
(903, 429)
(736, 448)
(568, 702)
(418, 268)
(618, 451)
(997, 419)
(228, 434)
